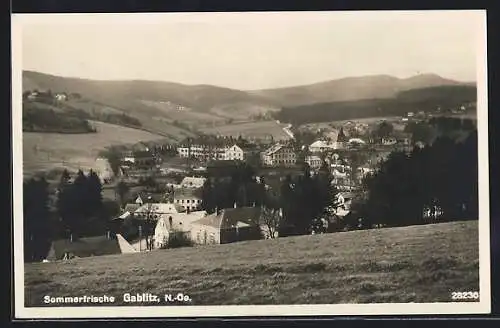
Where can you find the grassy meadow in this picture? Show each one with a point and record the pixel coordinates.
(410, 264)
(259, 129)
(45, 151)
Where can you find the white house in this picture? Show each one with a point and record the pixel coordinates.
(389, 141)
(235, 153)
(175, 223)
(192, 182)
(188, 199)
(279, 155)
(156, 210)
(103, 169)
(61, 97)
(357, 141)
(320, 146)
(314, 161)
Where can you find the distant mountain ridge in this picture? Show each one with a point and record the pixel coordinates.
(205, 97)
(353, 89)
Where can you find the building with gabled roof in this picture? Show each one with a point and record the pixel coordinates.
(279, 155)
(65, 249)
(227, 226)
(188, 198)
(175, 223)
(192, 182)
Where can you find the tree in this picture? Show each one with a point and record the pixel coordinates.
(209, 202)
(36, 219)
(122, 189)
(272, 220)
(384, 129)
(114, 157)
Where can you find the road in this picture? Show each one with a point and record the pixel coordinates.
(288, 132)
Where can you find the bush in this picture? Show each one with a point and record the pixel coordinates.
(178, 239)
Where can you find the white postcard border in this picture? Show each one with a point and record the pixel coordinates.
(483, 306)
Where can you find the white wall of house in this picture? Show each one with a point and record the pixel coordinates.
(202, 234)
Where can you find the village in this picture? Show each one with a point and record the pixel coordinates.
(163, 189)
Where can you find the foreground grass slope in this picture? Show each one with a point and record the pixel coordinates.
(410, 264)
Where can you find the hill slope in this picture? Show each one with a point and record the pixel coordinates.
(143, 97)
(410, 264)
(414, 100)
(351, 88)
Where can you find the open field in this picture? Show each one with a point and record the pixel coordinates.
(410, 264)
(44, 151)
(251, 130)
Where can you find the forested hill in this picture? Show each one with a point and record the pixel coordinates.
(425, 99)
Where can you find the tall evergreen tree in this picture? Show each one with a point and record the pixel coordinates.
(36, 219)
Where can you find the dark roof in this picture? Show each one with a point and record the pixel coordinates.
(131, 208)
(84, 247)
(187, 193)
(229, 217)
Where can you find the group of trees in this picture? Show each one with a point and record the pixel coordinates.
(426, 99)
(39, 119)
(294, 206)
(119, 119)
(80, 205)
(443, 175)
(306, 198)
(37, 219)
(77, 211)
(242, 189)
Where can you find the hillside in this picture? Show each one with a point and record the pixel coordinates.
(351, 88)
(424, 99)
(410, 264)
(47, 151)
(146, 98)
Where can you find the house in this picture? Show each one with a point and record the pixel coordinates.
(240, 152)
(61, 97)
(321, 146)
(202, 152)
(176, 223)
(404, 138)
(192, 182)
(314, 161)
(234, 153)
(279, 155)
(188, 198)
(227, 226)
(357, 141)
(389, 141)
(155, 211)
(103, 170)
(65, 249)
(419, 144)
(344, 200)
(33, 95)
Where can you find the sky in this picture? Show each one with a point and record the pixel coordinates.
(252, 50)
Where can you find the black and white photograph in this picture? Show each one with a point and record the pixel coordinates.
(250, 164)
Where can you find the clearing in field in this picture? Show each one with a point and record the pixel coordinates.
(251, 130)
(45, 151)
(410, 264)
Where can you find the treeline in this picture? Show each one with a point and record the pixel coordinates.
(118, 119)
(302, 199)
(240, 188)
(440, 177)
(439, 126)
(47, 120)
(428, 99)
(79, 211)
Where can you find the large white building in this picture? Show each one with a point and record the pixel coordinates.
(279, 155)
(314, 161)
(321, 146)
